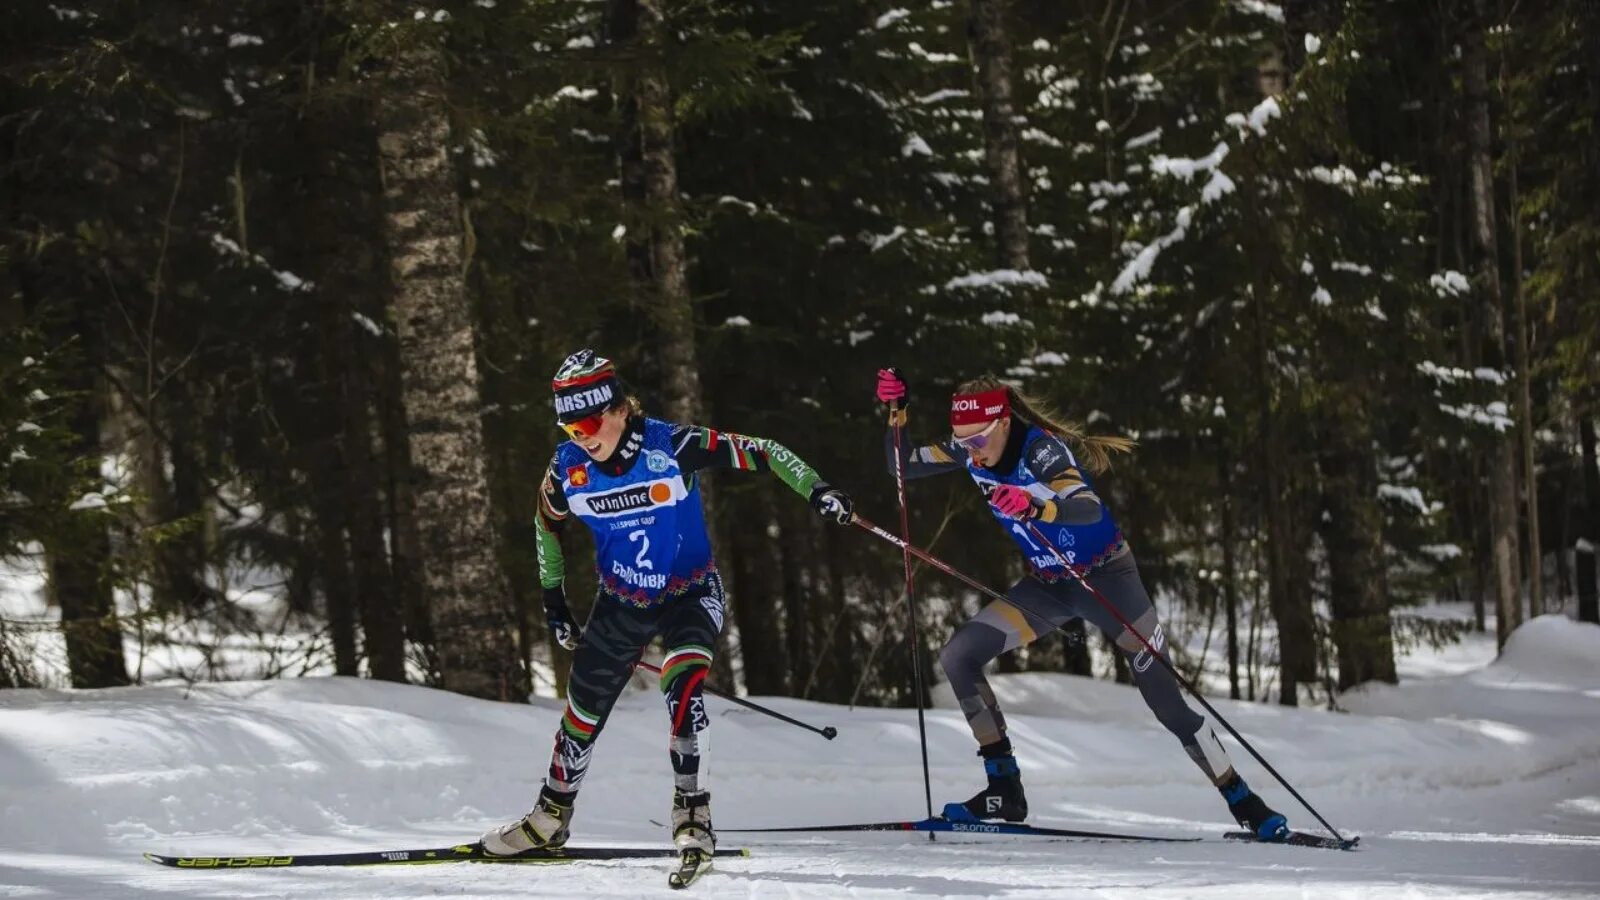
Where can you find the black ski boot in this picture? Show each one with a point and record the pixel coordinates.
(1252, 812)
(1003, 798)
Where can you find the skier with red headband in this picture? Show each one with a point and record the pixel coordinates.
(1034, 470)
(634, 481)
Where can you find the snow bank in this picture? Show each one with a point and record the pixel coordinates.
(1480, 784)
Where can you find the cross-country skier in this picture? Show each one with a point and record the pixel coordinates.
(1031, 467)
(633, 481)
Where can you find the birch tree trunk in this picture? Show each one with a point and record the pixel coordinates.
(991, 53)
(472, 620)
(1501, 450)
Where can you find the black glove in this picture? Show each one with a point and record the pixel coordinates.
(559, 618)
(832, 503)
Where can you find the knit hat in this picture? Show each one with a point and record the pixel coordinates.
(585, 385)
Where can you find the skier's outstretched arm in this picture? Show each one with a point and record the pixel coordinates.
(697, 447)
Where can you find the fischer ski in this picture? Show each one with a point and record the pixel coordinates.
(946, 825)
(473, 852)
(1299, 839)
(691, 865)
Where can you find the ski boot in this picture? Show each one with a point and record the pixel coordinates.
(692, 835)
(1252, 812)
(545, 828)
(1003, 798)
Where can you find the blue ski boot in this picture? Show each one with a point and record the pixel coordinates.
(1252, 812)
(1003, 798)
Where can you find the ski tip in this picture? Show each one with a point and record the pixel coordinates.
(160, 860)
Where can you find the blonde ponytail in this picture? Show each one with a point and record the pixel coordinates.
(1094, 450)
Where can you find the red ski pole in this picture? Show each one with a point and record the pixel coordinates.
(911, 610)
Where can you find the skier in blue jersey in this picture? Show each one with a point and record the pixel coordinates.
(1034, 470)
(634, 481)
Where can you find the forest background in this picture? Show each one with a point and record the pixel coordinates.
(283, 284)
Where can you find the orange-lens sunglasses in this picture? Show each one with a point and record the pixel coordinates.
(584, 428)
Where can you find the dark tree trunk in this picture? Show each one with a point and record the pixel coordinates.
(1501, 449)
(400, 512)
(1588, 561)
(650, 195)
(1230, 569)
(178, 582)
(1288, 588)
(473, 622)
(1522, 350)
(797, 631)
(1352, 531)
(991, 54)
(330, 523)
(752, 573)
(80, 563)
(342, 237)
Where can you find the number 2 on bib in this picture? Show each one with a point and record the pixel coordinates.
(641, 561)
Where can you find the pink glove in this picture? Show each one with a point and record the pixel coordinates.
(1012, 501)
(890, 388)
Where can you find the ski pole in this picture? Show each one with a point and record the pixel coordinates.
(827, 731)
(928, 558)
(931, 560)
(911, 610)
(1179, 675)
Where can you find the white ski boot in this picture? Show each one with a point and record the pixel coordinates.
(692, 835)
(544, 828)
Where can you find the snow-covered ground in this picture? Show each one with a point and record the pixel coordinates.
(1476, 779)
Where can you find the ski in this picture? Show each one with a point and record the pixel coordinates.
(946, 825)
(473, 852)
(1299, 839)
(691, 865)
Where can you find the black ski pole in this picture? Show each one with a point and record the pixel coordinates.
(1181, 680)
(911, 610)
(827, 731)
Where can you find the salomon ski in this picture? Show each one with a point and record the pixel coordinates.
(1299, 839)
(940, 824)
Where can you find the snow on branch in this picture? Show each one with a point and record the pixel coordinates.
(1183, 169)
(999, 278)
(287, 280)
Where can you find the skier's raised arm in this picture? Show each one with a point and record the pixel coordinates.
(915, 462)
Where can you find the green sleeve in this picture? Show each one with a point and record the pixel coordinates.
(788, 466)
(551, 513)
(552, 565)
